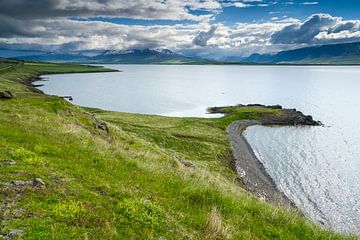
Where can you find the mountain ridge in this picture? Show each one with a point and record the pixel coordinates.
(332, 54)
(143, 56)
(341, 53)
(131, 56)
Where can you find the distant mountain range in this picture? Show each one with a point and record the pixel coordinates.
(135, 56)
(145, 56)
(346, 53)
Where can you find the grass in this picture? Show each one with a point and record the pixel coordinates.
(130, 184)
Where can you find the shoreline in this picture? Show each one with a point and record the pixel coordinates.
(249, 168)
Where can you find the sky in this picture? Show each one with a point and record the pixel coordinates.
(212, 28)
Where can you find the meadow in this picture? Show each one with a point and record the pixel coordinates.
(111, 175)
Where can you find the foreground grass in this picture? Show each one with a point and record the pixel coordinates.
(152, 177)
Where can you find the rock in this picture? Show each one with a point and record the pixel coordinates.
(14, 233)
(274, 106)
(187, 163)
(17, 183)
(70, 98)
(102, 126)
(6, 95)
(66, 180)
(254, 105)
(38, 183)
(35, 183)
(290, 117)
(9, 162)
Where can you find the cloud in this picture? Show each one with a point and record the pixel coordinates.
(318, 29)
(203, 37)
(241, 5)
(73, 35)
(10, 27)
(309, 3)
(245, 3)
(49, 26)
(136, 9)
(304, 32)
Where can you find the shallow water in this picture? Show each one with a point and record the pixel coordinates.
(317, 167)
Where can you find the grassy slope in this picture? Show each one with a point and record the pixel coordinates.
(131, 184)
(346, 60)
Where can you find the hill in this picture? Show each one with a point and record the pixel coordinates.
(346, 53)
(136, 56)
(53, 57)
(145, 56)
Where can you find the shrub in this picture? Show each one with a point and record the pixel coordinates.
(141, 213)
(215, 228)
(22, 154)
(68, 211)
(41, 149)
(26, 156)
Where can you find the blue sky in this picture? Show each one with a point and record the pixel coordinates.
(258, 12)
(197, 27)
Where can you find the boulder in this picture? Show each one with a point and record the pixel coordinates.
(37, 183)
(9, 162)
(187, 163)
(6, 95)
(14, 234)
(102, 126)
(18, 184)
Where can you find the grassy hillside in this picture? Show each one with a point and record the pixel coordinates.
(332, 54)
(346, 60)
(130, 177)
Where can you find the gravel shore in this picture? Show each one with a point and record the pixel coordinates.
(250, 169)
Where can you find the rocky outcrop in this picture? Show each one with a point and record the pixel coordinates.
(290, 117)
(6, 95)
(100, 125)
(14, 234)
(186, 163)
(8, 162)
(19, 184)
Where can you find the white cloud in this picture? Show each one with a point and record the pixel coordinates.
(136, 9)
(318, 29)
(309, 3)
(48, 26)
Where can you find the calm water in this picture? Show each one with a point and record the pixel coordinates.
(317, 167)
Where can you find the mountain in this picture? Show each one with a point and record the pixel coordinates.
(42, 56)
(135, 56)
(53, 57)
(345, 53)
(145, 56)
(12, 53)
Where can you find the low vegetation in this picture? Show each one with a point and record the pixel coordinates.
(147, 177)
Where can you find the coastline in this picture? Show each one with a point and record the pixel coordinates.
(250, 169)
(245, 163)
(126, 163)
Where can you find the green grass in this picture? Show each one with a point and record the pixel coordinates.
(131, 184)
(50, 68)
(342, 60)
